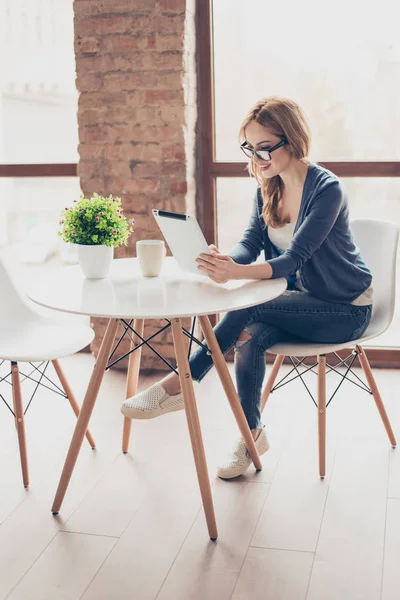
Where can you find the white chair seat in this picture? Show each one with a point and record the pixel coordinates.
(38, 339)
(378, 325)
(313, 349)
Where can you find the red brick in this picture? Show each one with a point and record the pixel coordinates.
(103, 134)
(176, 204)
(91, 116)
(118, 114)
(129, 81)
(149, 133)
(146, 133)
(151, 152)
(91, 135)
(119, 43)
(172, 6)
(86, 151)
(136, 205)
(100, 99)
(89, 82)
(174, 152)
(151, 41)
(172, 114)
(165, 60)
(88, 45)
(164, 96)
(117, 132)
(91, 186)
(98, 7)
(168, 80)
(169, 42)
(117, 169)
(141, 186)
(148, 115)
(88, 169)
(134, 99)
(169, 24)
(178, 187)
(107, 25)
(108, 62)
(159, 169)
(122, 185)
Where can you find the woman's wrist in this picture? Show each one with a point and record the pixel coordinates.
(253, 271)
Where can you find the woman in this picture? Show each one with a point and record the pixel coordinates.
(300, 219)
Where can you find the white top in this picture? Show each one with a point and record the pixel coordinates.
(127, 294)
(281, 238)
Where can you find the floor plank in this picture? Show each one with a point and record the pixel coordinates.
(149, 501)
(291, 517)
(202, 571)
(391, 573)
(66, 567)
(349, 557)
(274, 575)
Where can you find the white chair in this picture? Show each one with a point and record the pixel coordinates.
(377, 241)
(28, 336)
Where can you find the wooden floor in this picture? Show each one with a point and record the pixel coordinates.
(132, 527)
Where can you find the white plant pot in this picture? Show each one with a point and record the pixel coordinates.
(95, 261)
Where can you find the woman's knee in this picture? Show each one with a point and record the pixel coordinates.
(253, 336)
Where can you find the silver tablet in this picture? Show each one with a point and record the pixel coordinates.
(184, 237)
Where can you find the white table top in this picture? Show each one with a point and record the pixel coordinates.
(127, 294)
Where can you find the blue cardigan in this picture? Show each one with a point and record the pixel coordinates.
(322, 249)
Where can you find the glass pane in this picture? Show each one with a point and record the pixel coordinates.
(368, 197)
(30, 211)
(344, 73)
(38, 99)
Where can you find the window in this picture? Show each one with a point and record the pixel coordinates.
(38, 121)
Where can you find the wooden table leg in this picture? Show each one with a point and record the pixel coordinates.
(71, 398)
(132, 378)
(194, 426)
(85, 413)
(230, 390)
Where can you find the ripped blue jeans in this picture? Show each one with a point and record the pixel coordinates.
(292, 316)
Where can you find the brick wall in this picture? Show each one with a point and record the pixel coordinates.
(132, 115)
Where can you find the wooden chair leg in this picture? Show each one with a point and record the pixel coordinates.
(132, 378)
(85, 413)
(194, 426)
(375, 393)
(322, 413)
(230, 390)
(19, 421)
(271, 380)
(71, 398)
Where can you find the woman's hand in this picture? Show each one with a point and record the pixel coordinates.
(219, 267)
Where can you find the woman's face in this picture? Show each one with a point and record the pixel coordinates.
(258, 137)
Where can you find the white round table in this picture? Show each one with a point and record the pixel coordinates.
(125, 294)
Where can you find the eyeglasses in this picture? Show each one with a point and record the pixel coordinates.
(263, 153)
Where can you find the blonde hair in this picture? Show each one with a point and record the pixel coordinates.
(285, 119)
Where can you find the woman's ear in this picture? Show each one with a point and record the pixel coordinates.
(288, 148)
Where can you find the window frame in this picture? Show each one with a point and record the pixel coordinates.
(210, 169)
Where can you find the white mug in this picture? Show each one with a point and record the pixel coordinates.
(150, 254)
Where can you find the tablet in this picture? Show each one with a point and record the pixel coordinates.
(184, 237)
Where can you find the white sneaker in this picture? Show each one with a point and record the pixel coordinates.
(239, 460)
(152, 403)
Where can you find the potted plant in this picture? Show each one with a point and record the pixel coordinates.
(97, 225)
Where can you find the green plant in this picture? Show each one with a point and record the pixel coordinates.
(96, 221)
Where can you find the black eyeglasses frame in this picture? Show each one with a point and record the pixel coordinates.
(253, 152)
